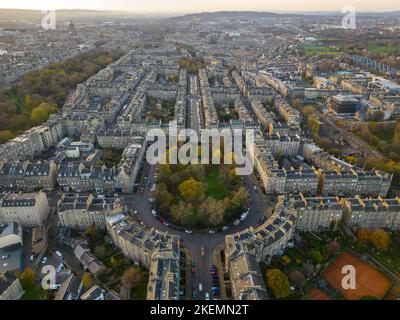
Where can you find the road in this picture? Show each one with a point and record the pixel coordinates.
(193, 242)
(194, 99)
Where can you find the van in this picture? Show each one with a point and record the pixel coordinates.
(59, 254)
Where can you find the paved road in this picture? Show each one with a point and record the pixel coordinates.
(194, 99)
(194, 241)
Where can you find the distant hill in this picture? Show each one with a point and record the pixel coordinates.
(63, 14)
(232, 15)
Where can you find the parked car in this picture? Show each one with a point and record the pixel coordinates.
(236, 222)
(189, 231)
(207, 296)
(44, 260)
(59, 254)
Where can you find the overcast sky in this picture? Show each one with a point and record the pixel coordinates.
(168, 6)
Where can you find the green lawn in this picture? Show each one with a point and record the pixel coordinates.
(140, 293)
(34, 293)
(215, 188)
(382, 49)
(320, 50)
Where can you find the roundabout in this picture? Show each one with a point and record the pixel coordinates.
(195, 241)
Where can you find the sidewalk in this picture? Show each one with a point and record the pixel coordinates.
(218, 263)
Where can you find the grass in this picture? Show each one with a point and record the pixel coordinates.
(382, 49)
(215, 188)
(140, 293)
(34, 293)
(320, 51)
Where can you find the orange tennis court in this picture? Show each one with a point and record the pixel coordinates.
(369, 281)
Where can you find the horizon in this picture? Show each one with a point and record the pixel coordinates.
(204, 6)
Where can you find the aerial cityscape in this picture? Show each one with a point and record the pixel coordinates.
(201, 153)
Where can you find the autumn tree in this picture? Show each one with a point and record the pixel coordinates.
(87, 280)
(380, 239)
(278, 283)
(131, 278)
(27, 278)
(363, 235)
(191, 190)
(313, 124)
(6, 135)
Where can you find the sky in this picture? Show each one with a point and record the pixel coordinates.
(188, 6)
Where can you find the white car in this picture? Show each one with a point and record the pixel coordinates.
(44, 260)
(207, 296)
(226, 228)
(59, 254)
(154, 212)
(211, 232)
(189, 231)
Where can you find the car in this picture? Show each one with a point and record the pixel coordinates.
(207, 296)
(200, 287)
(44, 260)
(165, 223)
(202, 251)
(135, 212)
(211, 232)
(59, 254)
(226, 228)
(236, 222)
(32, 258)
(188, 231)
(213, 273)
(215, 289)
(5, 257)
(154, 212)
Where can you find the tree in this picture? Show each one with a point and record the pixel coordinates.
(333, 247)
(114, 262)
(91, 232)
(6, 135)
(363, 235)
(212, 211)
(297, 277)
(191, 190)
(278, 283)
(286, 260)
(380, 239)
(27, 278)
(132, 278)
(308, 269)
(316, 256)
(100, 251)
(307, 111)
(87, 280)
(313, 124)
